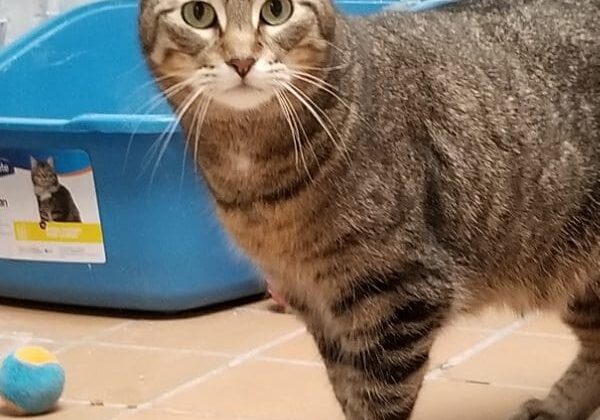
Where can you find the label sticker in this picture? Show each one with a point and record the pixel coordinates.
(48, 207)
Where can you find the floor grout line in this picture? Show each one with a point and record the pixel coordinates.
(297, 362)
(520, 387)
(90, 403)
(478, 348)
(491, 384)
(211, 416)
(261, 349)
(546, 335)
(25, 338)
(195, 352)
(237, 361)
(13, 335)
(474, 329)
(90, 337)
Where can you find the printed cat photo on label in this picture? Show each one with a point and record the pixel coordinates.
(55, 202)
(48, 207)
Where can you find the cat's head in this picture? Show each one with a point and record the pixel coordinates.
(42, 172)
(237, 53)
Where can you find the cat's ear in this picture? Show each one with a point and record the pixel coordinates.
(147, 24)
(34, 162)
(50, 161)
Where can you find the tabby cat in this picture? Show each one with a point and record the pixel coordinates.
(55, 203)
(393, 171)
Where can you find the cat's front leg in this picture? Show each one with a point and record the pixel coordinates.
(376, 340)
(45, 213)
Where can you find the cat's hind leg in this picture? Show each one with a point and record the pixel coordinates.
(577, 394)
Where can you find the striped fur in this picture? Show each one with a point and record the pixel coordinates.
(420, 166)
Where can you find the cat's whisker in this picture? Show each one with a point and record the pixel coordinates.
(148, 157)
(132, 69)
(286, 116)
(330, 89)
(164, 94)
(286, 113)
(155, 102)
(195, 129)
(198, 128)
(148, 153)
(299, 128)
(186, 144)
(289, 107)
(331, 68)
(308, 104)
(314, 104)
(154, 82)
(180, 114)
(163, 148)
(334, 46)
(169, 92)
(321, 85)
(175, 89)
(304, 133)
(314, 78)
(317, 113)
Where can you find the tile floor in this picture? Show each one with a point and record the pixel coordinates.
(250, 363)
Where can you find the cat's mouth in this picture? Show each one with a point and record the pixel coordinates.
(244, 96)
(245, 87)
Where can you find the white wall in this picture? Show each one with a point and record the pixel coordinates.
(22, 15)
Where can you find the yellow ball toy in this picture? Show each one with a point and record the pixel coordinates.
(31, 381)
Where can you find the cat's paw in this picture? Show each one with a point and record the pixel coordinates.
(536, 410)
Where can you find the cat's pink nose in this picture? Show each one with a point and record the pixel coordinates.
(242, 65)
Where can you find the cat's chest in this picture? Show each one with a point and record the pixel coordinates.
(278, 239)
(44, 193)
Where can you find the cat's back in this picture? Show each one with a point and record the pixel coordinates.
(506, 56)
(493, 107)
(515, 23)
(560, 36)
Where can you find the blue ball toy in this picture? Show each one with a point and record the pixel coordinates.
(31, 381)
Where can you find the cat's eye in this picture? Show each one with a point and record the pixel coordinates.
(276, 12)
(199, 14)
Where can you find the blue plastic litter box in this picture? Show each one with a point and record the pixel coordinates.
(75, 96)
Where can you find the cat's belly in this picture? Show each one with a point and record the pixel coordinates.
(530, 288)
